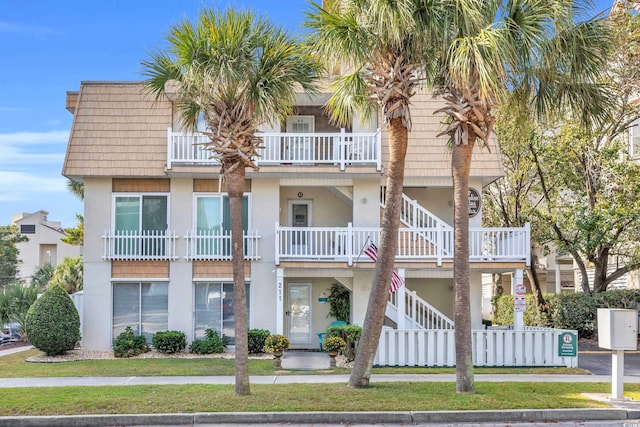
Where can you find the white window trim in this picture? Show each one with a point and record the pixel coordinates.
(197, 195)
(139, 195)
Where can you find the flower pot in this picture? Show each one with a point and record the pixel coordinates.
(332, 358)
(277, 356)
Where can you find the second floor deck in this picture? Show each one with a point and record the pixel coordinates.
(340, 149)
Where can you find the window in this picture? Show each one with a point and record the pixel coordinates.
(143, 306)
(140, 224)
(634, 131)
(214, 309)
(27, 229)
(213, 224)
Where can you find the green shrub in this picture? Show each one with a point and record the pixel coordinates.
(52, 323)
(256, 338)
(576, 311)
(128, 344)
(334, 344)
(169, 341)
(212, 343)
(351, 336)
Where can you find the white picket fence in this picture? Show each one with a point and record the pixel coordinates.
(431, 348)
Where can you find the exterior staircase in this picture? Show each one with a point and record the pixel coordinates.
(418, 314)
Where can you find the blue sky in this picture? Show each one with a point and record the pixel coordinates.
(48, 48)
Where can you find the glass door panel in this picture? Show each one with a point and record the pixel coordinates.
(299, 313)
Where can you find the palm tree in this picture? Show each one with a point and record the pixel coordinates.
(383, 45)
(69, 275)
(238, 71)
(538, 54)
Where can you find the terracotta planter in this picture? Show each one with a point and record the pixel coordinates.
(277, 356)
(332, 358)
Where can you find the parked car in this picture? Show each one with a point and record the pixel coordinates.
(10, 333)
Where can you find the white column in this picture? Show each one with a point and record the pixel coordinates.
(280, 301)
(558, 278)
(617, 374)
(518, 293)
(401, 301)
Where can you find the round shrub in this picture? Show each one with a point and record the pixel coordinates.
(52, 323)
(211, 344)
(276, 343)
(169, 341)
(128, 344)
(256, 339)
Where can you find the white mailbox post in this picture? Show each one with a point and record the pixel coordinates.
(617, 331)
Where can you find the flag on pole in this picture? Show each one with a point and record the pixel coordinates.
(396, 280)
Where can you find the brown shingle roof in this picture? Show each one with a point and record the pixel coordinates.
(118, 130)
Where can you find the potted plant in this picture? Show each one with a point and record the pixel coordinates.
(333, 345)
(276, 344)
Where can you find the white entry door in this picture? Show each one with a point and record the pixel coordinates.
(300, 216)
(300, 148)
(299, 313)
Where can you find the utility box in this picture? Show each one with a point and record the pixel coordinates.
(617, 328)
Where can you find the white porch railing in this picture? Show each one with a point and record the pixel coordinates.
(419, 314)
(414, 244)
(284, 148)
(490, 348)
(216, 245)
(139, 245)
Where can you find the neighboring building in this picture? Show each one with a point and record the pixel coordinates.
(44, 245)
(156, 241)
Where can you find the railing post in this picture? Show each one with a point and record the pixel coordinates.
(378, 138)
(439, 244)
(277, 242)
(349, 244)
(401, 302)
(341, 149)
(169, 148)
(527, 244)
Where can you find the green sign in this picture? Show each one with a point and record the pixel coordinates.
(567, 344)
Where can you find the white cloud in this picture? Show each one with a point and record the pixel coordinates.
(24, 29)
(21, 138)
(17, 186)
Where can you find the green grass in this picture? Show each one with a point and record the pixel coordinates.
(15, 366)
(412, 396)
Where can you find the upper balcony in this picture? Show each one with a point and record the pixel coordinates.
(340, 149)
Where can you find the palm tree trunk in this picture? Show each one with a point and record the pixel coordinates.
(235, 189)
(460, 167)
(374, 318)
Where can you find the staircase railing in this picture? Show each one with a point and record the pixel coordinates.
(419, 314)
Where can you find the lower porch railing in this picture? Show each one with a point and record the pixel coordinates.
(490, 348)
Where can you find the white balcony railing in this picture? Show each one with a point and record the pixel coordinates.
(414, 244)
(216, 245)
(282, 148)
(139, 245)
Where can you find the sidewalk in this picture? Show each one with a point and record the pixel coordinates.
(623, 410)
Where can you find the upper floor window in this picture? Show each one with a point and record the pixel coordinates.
(213, 213)
(27, 229)
(140, 225)
(634, 131)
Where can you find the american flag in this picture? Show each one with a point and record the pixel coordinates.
(396, 280)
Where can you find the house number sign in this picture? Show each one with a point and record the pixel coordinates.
(474, 202)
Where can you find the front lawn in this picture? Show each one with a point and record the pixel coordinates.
(413, 396)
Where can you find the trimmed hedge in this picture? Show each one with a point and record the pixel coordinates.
(212, 343)
(256, 338)
(52, 323)
(577, 311)
(128, 344)
(169, 341)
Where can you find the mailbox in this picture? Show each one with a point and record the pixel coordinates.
(617, 329)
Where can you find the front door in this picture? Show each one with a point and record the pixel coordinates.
(299, 148)
(300, 216)
(299, 313)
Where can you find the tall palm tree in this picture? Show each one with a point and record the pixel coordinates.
(383, 45)
(534, 52)
(238, 71)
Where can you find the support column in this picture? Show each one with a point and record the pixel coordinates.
(401, 301)
(558, 278)
(519, 305)
(617, 374)
(280, 301)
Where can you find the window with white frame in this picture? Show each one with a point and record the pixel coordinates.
(634, 132)
(214, 309)
(144, 306)
(140, 223)
(213, 223)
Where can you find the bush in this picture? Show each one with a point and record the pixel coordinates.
(351, 336)
(256, 338)
(334, 344)
(169, 341)
(575, 311)
(275, 343)
(128, 344)
(212, 343)
(52, 323)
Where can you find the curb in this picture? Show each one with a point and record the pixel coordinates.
(410, 418)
